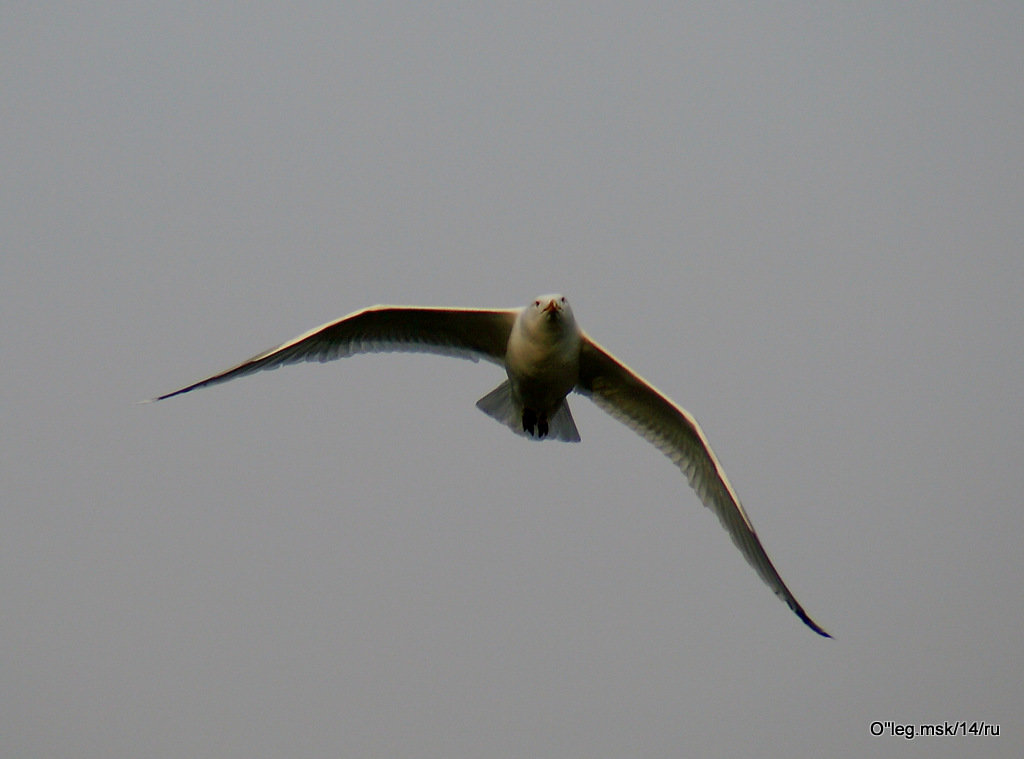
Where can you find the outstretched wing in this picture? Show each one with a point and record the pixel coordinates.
(461, 332)
(632, 400)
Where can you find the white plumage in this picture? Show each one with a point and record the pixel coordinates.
(545, 356)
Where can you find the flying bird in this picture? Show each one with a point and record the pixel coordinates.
(545, 356)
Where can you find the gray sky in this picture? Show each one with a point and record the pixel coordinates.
(802, 222)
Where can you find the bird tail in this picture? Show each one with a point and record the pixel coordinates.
(562, 426)
(501, 405)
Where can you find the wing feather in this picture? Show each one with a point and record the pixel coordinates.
(632, 400)
(461, 332)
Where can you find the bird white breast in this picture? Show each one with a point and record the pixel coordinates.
(542, 362)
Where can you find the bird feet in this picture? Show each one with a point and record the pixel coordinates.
(531, 420)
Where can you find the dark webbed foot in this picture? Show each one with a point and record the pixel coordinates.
(534, 423)
(529, 420)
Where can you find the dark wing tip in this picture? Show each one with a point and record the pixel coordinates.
(798, 610)
(164, 396)
(176, 392)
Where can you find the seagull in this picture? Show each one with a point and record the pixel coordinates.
(545, 355)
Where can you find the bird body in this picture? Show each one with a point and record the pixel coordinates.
(542, 361)
(545, 356)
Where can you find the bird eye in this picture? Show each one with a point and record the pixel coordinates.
(536, 303)
(563, 299)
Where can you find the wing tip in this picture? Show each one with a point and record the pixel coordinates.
(798, 610)
(173, 393)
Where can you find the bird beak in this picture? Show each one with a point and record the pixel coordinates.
(552, 307)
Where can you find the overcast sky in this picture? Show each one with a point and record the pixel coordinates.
(803, 222)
